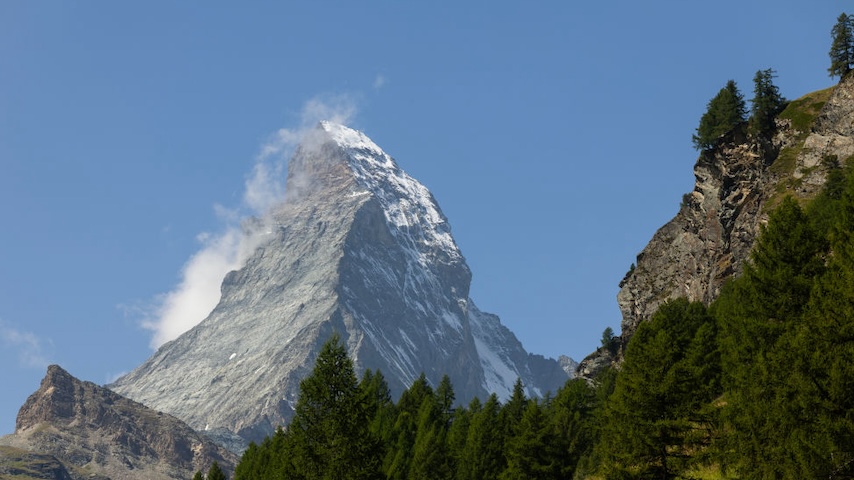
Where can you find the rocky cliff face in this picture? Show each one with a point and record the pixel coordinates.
(22, 464)
(358, 247)
(711, 236)
(80, 430)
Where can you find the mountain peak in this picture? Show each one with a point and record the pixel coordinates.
(349, 138)
(362, 249)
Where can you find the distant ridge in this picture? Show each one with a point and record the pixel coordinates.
(94, 433)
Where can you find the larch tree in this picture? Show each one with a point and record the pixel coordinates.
(724, 113)
(842, 46)
(766, 104)
(330, 432)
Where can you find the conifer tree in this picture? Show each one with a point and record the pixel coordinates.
(482, 456)
(445, 400)
(531, 451)
(725, 112)
(571, 419)
(821, 355)
(458, 434)
(375, 394)
(430, 456)
(330, 432)
(842, 46)
(651, 414)
(512, 411)
(216, 473)
(759, 314)
(766, 104)
(198, 475)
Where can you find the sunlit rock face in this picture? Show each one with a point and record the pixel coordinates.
(717, 224)
(360, 248)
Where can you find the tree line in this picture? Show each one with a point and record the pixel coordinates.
(349, 428)
(727, 111)
(756, 385)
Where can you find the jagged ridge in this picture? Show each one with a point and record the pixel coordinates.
(358, 247)
(96, 433)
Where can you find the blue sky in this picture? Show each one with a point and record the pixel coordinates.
(556, 136)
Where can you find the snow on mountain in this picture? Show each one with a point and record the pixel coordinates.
(360, 248)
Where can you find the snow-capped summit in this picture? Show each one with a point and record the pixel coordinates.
(362, 249)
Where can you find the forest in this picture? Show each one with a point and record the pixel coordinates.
(756, 385)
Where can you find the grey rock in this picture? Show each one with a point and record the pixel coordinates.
(359, 248)
(717, 224)
(95, 433)
(17, 463)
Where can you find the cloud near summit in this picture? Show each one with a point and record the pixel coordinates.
(198, 291)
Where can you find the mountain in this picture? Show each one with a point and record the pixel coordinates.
(71, 430)
(357, 247)
(737, 184)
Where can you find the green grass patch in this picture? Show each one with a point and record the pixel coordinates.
(708, 472)
(803, 111)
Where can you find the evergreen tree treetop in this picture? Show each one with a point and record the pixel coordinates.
(724, 113)
(766, 104)
(842, 46)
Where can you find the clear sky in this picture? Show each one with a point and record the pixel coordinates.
(555, 135)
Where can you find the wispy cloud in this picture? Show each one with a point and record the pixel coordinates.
(28, 347)
(379, 81)
(198, 292)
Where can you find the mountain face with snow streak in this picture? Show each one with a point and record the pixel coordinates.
(360, 248)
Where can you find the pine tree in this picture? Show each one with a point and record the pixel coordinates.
(766, 104)
(330, 432)
(198, 475)
(609, 341)
(398, 456)
(724, 113)
(482, 456)
(842, 46)
(430, 456)
(531, 451)
(759, 315)
(376, 396)
(445, 399)
(512, 411)
(571, 417)
(822, 356)
(652, 412)
(216, 473)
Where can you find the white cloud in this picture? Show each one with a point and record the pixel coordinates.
(379, 81)
(27, 345)
(198, 292)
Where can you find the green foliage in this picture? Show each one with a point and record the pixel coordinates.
(765, 320)
(803, 111)
(757, 386)
(609, 341)
(331, 435)
(654, 417)
(766, 104)
(482, 456)
(530, 452)
(724, 113)
(842, 46)
(216, 473)
(198, 475)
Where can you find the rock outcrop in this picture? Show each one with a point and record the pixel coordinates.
(17, 463)
(69, 429)
(360, 248)
(711, 236)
